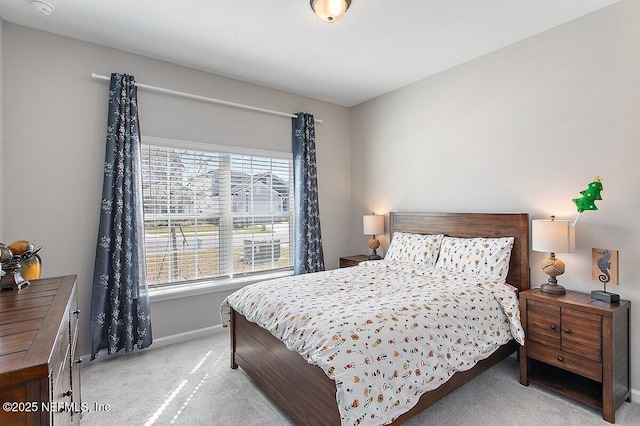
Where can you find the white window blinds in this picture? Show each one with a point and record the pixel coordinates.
(215, 213)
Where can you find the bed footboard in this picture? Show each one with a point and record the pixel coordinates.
(300, 389)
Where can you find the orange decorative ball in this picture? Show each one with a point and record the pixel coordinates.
(21, 246)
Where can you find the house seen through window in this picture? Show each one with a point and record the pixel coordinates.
(214, 212)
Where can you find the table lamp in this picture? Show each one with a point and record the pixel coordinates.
(553, 236)
(373, 225)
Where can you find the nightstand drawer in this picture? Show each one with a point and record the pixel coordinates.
(543, 323)
(582, 334)
(566, 361)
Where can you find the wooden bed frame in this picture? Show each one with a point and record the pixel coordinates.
(305, 393)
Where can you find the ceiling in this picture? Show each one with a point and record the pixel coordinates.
(377, 47)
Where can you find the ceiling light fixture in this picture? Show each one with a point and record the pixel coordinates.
(330, 10)
(42, 6)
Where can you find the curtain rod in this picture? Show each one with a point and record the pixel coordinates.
(205, 99)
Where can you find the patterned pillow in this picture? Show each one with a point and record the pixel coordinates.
(484, 256)
(415, 248)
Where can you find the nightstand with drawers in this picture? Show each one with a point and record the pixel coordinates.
(577, 346)
(348, 261)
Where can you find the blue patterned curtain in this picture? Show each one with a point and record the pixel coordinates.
(119, 302)
(308, 256)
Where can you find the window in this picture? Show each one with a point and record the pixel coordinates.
(214, 212)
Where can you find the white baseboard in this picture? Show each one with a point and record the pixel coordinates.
(187, 335)
(160, 342)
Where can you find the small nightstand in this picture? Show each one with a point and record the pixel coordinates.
(577, 346)
(348, 261)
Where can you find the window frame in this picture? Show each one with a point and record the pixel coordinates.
(233, 281)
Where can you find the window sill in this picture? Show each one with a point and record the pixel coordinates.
(190, 290)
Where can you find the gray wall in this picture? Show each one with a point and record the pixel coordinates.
(54, 136)
(523, 129)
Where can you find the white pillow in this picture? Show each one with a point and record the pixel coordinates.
(416, 248)
(484, 256)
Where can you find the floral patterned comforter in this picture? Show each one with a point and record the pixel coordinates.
(385, 332)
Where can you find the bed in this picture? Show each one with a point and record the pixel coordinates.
(306, 393)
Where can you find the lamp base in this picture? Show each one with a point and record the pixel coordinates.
(552, 288)
(605, 296)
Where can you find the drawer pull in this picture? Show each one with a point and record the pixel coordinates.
(552, 326)
(79, 361)
(566, 330)
(68, 393)
(76, 312)
(560, 359)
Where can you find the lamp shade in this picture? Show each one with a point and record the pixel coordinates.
(372, 224)
(553, 236)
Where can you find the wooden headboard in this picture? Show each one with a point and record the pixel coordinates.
(467, 225)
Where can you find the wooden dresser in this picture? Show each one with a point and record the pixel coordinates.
(577, 346)
(39, 374)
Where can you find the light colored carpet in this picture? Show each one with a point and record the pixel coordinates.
(192, 384)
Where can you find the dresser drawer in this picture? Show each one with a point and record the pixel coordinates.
(543, 324)
(61, 398)
(60, 352)
(582, 334)
(565, 360)
(74, 314)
